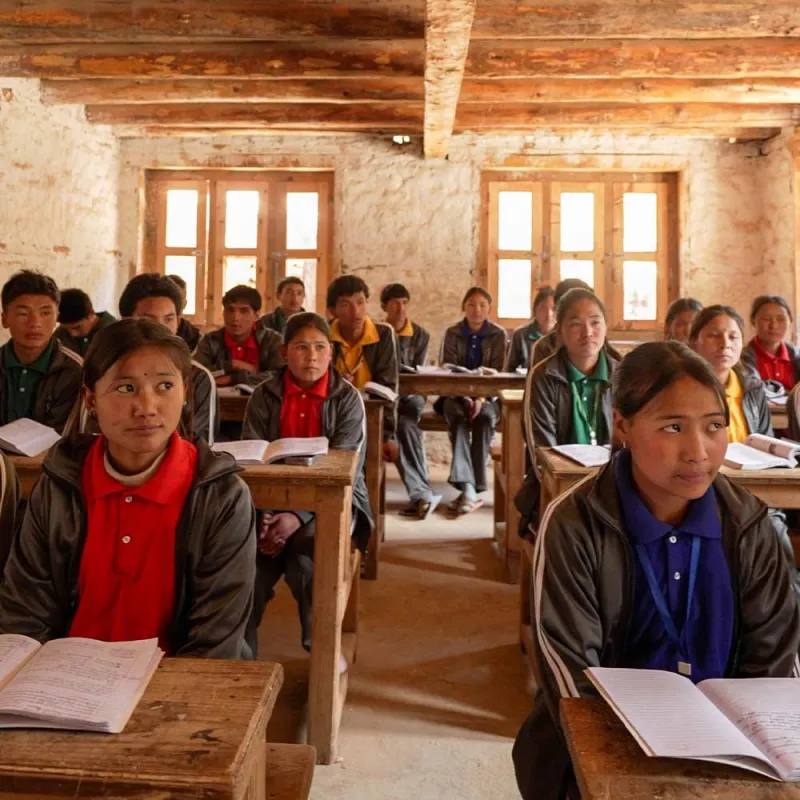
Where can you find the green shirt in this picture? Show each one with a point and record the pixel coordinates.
(80, 344)
(533, 334)
(22, 380)
(587, 402)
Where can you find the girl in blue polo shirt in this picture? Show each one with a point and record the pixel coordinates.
(655, 562)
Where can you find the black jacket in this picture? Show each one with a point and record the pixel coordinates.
(412, 351)
(523, 340)
(493, 346)
(755, 405)
(213, 354)
(189, 333)
(81, 345)
(276, 320)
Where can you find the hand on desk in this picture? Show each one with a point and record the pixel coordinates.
(390, 451)
(276, 530)
(473, 407)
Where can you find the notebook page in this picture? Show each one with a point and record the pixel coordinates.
(248, 451)
(669, 716)
(286, 448)
(15, 650)
(28, 437)
(767, 711)
(751, 458)
(588, 455)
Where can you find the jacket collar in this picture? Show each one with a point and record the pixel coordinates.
(556, 365)
(274, 383)
(370, 335)
(490, 328)
(750, 380)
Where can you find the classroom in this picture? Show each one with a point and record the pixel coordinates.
(393, 361)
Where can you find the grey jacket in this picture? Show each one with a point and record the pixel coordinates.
(343, 423)
(412, 351)
(189, 333)
(276, 320)
(755, 405)
(215, 551)
(523, 340)
(213, 354)
(9, 506)
(205, 404)
(582, 605)
(750, 362)
(57, 392)
(493, 347)
(547, 345)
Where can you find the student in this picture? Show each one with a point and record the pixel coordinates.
(621, 544)
(473, 342)
(412, 351)
(306, 398)
(189, 333)
(242, 351)
(680, 316)
(547, 345)
(39, 377)
(156, 297)
(135, 533)
(78, 321)
(291, 295)
(768, 352)
(525, 337)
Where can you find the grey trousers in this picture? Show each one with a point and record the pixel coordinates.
(470, 442)
(412, 463)
(296, 563)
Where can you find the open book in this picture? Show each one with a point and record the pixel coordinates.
(466, 371)
(257, 451)
(235, 391)
(73, 684)
(760, 452)
(587, 455)
(25, 437)
(379, 390)
(753, 723)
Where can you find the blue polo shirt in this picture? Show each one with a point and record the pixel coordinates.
(710, 628)
(474, 344)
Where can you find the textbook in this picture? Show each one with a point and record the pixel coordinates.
(753, 723)
(466, 371)
(73, 684)
(379, 390)
(587, 455)
(257, 451)
(235, 391)
(761, 452)
(26, 437)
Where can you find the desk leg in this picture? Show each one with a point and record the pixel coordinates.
(514, 465)
(327, 688)
(374, 470)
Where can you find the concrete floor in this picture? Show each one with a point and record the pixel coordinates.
(439, 688)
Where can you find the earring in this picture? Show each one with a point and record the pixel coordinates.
(92, 413)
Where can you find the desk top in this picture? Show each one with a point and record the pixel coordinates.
(191, 729)
(459, 384)
(609, 763)
(336, 468)
(512, 397)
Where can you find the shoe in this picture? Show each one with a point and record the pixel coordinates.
(411, 510)
(426, 507)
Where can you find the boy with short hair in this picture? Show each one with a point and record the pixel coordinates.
(242, 351)
(78, 321)
(40, 379)
(189, 333)
(291, 295)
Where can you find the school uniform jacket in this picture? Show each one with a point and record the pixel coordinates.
(57, 391)
(545, 347)
(76, 344)
(189, 333)
(412, 351)
(749, 360)
(493, 346)
(205, 404)
(343, 424)
(755, 405)
(9, 504)
(213, 354)
(523, 340)
(215, 552)
(276, 320)
(582, 603)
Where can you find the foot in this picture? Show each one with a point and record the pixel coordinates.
(426, 507)
(468, 506)
(411, 510)
(454, 505)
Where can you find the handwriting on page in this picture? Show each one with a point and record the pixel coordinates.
(14, 651)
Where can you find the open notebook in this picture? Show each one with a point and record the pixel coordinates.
(760, 452)
(73, 684)
(25, 437)
(257, 451)
(587, 455)
(753, 723)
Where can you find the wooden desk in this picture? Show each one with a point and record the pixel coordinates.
(610, 764)
(780, 416)
(456, 384)
(375, 474)
(28, 471)
(509, 475)
(232, 406)
(198, 731)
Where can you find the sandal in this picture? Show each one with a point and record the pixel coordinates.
(411, 510)
(454, 505)
(468, 506)
(426, 507)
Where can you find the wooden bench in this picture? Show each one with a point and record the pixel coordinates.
(431, 421)
(290, 770)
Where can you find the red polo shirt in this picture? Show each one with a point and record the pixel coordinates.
(301, 411)
(126, 583)
(247, 351)
(776, 367)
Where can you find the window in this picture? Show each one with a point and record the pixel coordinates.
(614, 231)
(220, 229)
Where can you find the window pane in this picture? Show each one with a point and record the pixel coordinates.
(186, 268)
(639, 222)
(302, 219)
(306, 270)
(577, 222)
(236, 270)
(182, 217)
(515, 213)
(241, 219)
(514, 288)
(640, 289)
(577, 269)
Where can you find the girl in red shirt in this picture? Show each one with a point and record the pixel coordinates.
(769, 352)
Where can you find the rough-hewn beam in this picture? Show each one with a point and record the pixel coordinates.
(447, 28)
(682, 19)
(313, 58)
(521, 117)
(668, 58)
(158, 20)
(255, 115)
(178, 90)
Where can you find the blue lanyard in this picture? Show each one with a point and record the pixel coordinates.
(678, 641)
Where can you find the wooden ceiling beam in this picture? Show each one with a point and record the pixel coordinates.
(312, 58)
(634, 58)
(447, 29)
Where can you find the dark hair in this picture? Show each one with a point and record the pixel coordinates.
(562, 287)
(679, 306)
(243, 294)
(149, 284)
(709, 314)
(27, 281)
(766, 299)
(180, 281)
(472, 291)
(288, 282)
(574, 296)
(345, 286)
(305, 319)
(542, 295)
(75, 305)
(653, 366)
(394, 291)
